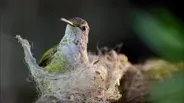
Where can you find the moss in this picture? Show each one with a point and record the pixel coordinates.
(160, 69)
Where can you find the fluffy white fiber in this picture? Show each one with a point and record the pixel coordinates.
(93, 83)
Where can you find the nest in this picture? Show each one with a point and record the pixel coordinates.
(96, 82)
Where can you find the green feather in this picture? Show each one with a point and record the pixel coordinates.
(48, 56)
(54, 61)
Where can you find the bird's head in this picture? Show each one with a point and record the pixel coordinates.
(77, 30)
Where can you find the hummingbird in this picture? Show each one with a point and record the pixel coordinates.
(71, 51)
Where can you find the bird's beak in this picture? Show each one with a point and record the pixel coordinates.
(67, 21)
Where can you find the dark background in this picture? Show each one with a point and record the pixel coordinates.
(39, 21)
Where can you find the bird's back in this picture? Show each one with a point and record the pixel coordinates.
(54, 61)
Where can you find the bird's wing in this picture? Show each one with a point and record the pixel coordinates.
(47, 56)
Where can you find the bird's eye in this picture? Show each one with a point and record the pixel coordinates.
(83, 28)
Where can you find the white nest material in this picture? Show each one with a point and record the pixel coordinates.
(93, 83)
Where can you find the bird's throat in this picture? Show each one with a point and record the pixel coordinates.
(74, 49)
